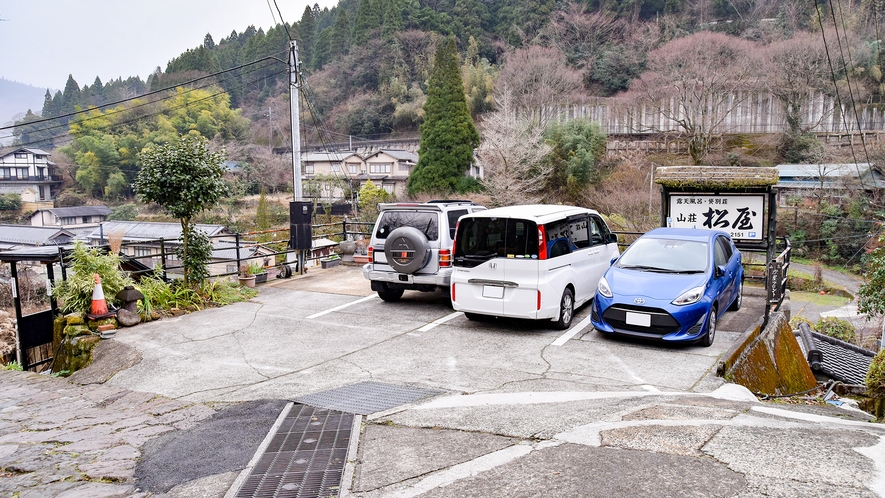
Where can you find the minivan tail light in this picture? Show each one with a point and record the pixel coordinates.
(445, 258)
(542, 250)
(371, 251)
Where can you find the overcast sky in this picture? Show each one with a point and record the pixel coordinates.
(43, 41)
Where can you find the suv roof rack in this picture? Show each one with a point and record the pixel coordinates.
(451, 201)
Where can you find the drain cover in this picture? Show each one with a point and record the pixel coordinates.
(366, 398)
(305, 457)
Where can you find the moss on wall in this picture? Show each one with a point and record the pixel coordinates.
(772, 362)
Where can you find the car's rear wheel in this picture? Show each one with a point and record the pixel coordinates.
(708, 338)
(390, 295)
(566, 310)
(739, 299)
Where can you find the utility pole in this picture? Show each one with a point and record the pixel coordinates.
(270, 127)
(293, 111)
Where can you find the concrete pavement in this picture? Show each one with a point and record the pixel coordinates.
(179, 406)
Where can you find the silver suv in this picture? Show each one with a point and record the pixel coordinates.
(411, 246)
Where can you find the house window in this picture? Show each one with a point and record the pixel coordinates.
(21, 155)
(85, 219)
(4, 173)
(308, 169)
(142, 251)
(388, 187)
(22, 173)
(69, 220)
(377, 168)
(404, 166)
(335, 168)
(353, 168)
(40, 156)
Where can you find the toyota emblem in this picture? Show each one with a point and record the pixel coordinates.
(639, 300)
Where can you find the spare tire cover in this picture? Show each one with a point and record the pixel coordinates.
(407, 250)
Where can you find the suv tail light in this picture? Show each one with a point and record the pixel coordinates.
(542, 245)
(445, 258)
(371, 253)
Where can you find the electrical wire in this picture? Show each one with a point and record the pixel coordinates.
(150, 115)
(128, 109)
(153, 92)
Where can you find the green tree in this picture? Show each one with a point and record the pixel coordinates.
(261, 218)
(369, 198)
(578, 149)
(871, 295)
(393, 19)
(448, 135)
(479, 80)
(70, 96)
(186, 178)
(339, 43)
(368, 19)
(306, 33)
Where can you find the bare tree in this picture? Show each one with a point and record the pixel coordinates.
(537, 77)
(796, 68)
(581, 35)
(695, 83)
(511, 154)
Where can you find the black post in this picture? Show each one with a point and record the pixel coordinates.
(163, 259)
(237, 238)
(50, 274)
(344, 229)
(16, 302)
(61, 262)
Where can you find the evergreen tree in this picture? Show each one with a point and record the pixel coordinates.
(208, 42)
(98, 97)
(448, 135)
(71, 96)
(368, 19)
(393, 19)
(340, 41)
(307, 31)
(48, 110)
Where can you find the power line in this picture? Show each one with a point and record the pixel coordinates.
(125, 109)
(148, 93)
(150, 115)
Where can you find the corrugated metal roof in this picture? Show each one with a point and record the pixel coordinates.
(66, 212)
(34, 236)
(400, 155)
(148, 230)
(850, 170)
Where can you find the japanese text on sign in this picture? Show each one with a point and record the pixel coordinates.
(738, 215)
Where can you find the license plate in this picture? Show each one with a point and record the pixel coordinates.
(639, 319)
(493, 291)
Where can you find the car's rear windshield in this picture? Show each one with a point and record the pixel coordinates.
(427, 222)
(481, 239)
(666, 254)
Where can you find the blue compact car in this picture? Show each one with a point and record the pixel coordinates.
(671, 284)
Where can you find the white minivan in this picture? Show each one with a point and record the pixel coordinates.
(536, 262)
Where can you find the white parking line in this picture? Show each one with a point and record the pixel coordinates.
(571, 332)
(336, 308)
(439, 321)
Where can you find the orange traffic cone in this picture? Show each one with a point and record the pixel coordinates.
(99, 305)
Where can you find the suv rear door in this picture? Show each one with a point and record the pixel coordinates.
(425, 220)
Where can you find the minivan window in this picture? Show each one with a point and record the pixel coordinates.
(558, 239)
(481, 239)
(427, 222)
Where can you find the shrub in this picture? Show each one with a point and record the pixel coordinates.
(75, 293)
(876, 375)
(10, 202)
(837, 328)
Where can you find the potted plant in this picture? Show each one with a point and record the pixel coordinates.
(330, 261)
(259, 272)
(246, 278)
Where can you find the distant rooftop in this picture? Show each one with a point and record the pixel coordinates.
(727, 177)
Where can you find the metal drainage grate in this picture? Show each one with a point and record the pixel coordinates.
(366, 398)
(305, 458)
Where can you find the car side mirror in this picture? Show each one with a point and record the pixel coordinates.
(613, 260)
(720, 271)
(611, 238)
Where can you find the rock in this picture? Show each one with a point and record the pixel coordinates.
(127, 318)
